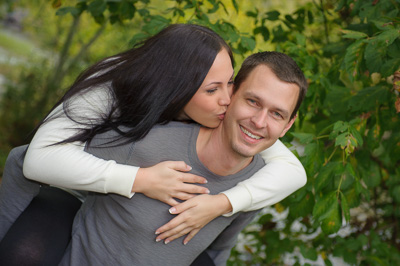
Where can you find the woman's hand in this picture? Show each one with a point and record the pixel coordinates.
(194, 214)
(168, 180)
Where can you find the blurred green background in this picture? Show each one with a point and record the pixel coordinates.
(347, 134)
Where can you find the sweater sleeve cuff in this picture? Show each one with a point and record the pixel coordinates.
(122, 180)
(239, 197)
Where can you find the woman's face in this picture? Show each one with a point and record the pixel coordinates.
(208, 106)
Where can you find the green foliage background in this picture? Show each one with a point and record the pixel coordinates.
(348, 125)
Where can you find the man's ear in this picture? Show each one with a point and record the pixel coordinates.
(288, 126)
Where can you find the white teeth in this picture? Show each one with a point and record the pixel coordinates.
(249, 134)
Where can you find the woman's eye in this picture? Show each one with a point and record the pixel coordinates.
(211, 91)
(230, 82)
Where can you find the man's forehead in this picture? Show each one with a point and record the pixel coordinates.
(262, 84)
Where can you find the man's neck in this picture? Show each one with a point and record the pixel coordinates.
(217, 155)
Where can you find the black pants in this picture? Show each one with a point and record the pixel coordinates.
(42, 232)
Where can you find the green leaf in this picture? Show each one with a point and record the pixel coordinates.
(301, 39)
(325, 175)
(155, 25)
(127, 10)
(138, 38)
(309, 252)
(342, 140)
(68, 10)
(235, 5)
(356, 135)
(352, 197)
(345, 207)
(263, 31)
(396, 193)
(248, 43)
(99, 19)
(368, 98)
(310, 151)
(388, 36)
(390, 66)
(324, 206)
(372, 176)
(382, 24)
(340, 126)
(350, 34)
(374, 55)
(272, 15)
(310, 17)
(304, 138)
(303, 207)
(252, 14)
(214, 9)
(353, 58)
(97, 7)
(333, 222)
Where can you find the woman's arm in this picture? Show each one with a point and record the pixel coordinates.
(282, 175)
(69, 166)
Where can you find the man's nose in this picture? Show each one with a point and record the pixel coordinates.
(260, 119)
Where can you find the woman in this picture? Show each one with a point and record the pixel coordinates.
(144, 86)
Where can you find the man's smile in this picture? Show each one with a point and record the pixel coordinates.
(249, 134)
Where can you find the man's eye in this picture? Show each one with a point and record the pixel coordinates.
(278, 115)
(251, 102)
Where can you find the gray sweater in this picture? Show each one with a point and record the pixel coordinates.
(114, 230)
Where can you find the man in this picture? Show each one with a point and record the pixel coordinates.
(115, 230)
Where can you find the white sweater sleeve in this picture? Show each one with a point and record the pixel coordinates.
(68, 165)
(281, 176)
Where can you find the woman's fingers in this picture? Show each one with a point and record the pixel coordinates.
(190, 235)
(185, 177)
(171, 202)
(181, 207)
(178, 166)
(174, 234)
(191, 178)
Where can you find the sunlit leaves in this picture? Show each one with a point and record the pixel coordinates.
(346, 136)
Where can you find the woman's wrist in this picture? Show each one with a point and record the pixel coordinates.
(138, 185)
(223, 203)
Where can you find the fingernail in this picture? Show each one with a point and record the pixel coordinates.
(166, 242)
(157, 233)
(172, 210)
(205, 182)
(189, 167)
(158, 240)
(208, 191)
(185, 242)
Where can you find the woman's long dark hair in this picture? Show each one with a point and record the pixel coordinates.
(150, 84)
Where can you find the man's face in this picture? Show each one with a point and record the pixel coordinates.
(259, 112)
